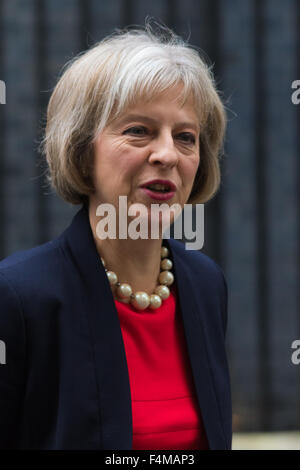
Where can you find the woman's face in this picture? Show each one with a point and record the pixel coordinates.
(154, 140)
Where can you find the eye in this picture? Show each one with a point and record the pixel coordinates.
(136, 130)
(187, 138)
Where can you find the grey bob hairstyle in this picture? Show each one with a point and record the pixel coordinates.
(102, 83)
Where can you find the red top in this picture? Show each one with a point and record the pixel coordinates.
(165, 411)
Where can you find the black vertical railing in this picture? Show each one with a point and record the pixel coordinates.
(41, 103)
(207, 38)
(127, 13)
(85, 24)
(263, 314)
(213, 51)
(172, 14)
(2, 137)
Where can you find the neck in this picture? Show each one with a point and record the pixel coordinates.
(136, 262)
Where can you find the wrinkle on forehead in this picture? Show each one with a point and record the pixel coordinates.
(174, 94)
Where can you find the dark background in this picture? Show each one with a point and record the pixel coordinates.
(252, 226)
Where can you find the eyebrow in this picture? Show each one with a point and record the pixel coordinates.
(141, 117)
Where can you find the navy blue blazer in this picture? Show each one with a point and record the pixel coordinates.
(65, 383)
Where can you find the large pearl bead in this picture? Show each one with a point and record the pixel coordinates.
(166, 278)
(112, 277)
(162, 291)
(166, 264)
(164, 252)
(124, 290)
(155, 301)
(141, 300)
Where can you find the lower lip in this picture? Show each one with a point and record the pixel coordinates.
(158, 196)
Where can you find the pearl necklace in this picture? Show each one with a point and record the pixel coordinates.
(141, 300)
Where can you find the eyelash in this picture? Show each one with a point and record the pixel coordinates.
(136, 128)
(191, 137)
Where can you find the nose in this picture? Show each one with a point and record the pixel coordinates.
(163, 150)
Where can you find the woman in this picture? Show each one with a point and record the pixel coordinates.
(118, 343)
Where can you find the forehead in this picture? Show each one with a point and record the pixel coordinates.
(168, 105)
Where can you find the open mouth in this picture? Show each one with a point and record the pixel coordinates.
(159, 188)
(160, 194)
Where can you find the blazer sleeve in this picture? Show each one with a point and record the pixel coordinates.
(12, 364)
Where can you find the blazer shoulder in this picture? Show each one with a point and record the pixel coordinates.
(35, 272)
(30, 259)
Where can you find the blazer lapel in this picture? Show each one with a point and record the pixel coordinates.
(106, 336)
(193, 314)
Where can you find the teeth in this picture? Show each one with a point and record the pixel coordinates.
(159, 187)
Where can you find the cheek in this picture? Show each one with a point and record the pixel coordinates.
(195, 165)
(129, 164)
(189, 169)
(118, 171)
